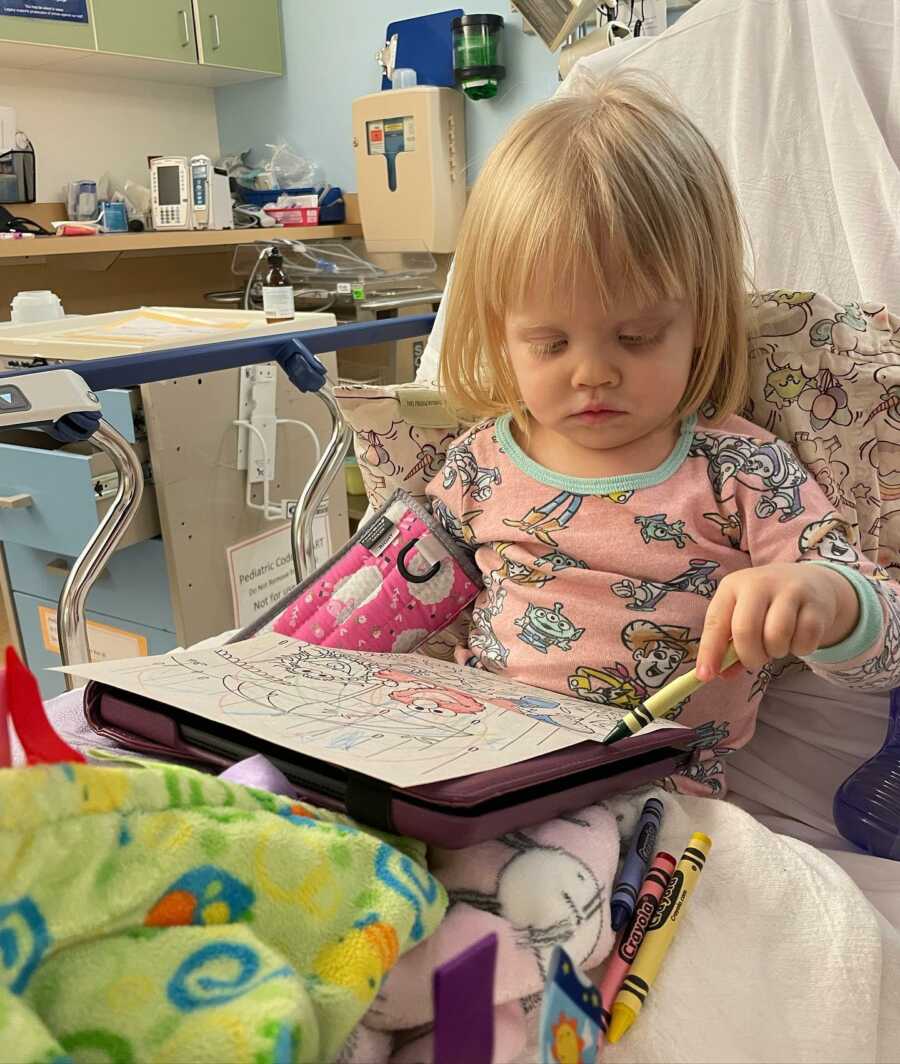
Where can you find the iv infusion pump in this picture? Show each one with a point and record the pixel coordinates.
(189, 194)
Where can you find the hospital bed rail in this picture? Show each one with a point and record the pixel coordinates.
(148, 367)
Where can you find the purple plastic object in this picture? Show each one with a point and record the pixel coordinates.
(463, 994)
(259, 772)
(867, 804)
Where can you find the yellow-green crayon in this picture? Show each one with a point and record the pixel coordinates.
(665, 699)
(659, 937)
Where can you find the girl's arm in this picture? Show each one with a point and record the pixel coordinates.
(834, 609)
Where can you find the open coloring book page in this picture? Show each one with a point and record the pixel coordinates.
(402, 718)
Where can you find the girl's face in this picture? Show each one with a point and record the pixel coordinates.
(601, 389)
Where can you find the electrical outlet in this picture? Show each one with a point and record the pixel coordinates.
(256, 404)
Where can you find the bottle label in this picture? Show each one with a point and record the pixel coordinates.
(278, 302)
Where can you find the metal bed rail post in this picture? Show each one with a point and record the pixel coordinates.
(70, 620)
(317, 487)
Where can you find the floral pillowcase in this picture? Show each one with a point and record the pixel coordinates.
(825, 378)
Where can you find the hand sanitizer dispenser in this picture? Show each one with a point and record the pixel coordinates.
(410, 147)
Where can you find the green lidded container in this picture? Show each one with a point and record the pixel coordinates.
(477, 47)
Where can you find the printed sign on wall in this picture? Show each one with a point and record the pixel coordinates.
(261, 569)
(59, 10)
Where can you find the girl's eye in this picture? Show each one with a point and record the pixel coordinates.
(547, 348)
(640, 341)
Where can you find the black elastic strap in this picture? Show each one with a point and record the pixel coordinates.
(369, 801)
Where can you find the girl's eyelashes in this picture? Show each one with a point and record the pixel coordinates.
(547, 348)
(629, 340)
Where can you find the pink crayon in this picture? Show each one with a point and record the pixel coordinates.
(632, 934)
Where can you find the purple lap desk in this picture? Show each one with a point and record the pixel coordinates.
(452, 813)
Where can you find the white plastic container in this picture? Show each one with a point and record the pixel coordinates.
(43, 305)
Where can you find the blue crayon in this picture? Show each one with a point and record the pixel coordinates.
(637, 861)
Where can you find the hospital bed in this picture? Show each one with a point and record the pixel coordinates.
(840, 185)
(774, 857)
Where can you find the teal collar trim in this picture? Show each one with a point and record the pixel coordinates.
(599, 485)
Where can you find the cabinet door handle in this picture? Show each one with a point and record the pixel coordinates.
(217, 36)
(15, 502)
(186, 40)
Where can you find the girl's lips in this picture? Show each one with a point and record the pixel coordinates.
(595, 415)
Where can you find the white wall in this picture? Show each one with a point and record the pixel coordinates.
(84, 126)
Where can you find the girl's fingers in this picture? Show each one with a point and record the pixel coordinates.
(747, 625)
(808, 632)
(779, 625)
(716, 633)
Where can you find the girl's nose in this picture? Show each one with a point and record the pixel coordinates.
(593, 370)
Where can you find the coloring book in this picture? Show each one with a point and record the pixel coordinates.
(402, 718)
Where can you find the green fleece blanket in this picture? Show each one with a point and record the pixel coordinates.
(159, 914)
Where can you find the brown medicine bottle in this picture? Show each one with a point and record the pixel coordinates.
(278, 292)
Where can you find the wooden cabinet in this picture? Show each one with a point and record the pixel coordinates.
(161, 30)
(205, 42)
(47, 31)
(240, 35)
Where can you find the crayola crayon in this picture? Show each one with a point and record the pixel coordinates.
(626, 947)
(659, 937)
(634, 867)
(665, 699)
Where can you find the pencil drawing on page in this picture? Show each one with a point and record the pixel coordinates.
(402, 718)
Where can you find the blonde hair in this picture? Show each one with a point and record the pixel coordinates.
(621, 183)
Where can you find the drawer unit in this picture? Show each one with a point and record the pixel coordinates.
(108, 637)
(52, 496)
(133, 586)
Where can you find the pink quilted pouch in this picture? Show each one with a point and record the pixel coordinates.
(397, 582)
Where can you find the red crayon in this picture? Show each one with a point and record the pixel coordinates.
(632, 934)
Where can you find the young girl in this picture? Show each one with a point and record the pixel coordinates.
(597, 307)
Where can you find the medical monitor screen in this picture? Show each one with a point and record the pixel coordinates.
(168, 185)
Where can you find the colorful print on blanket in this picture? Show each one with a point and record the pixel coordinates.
(158, 914)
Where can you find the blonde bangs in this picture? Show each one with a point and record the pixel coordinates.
(620, 184)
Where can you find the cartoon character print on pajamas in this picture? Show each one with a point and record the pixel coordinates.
(554, 516)
(544, 628)
(477, 481)
(460, 528)
(711, 740)
(559, 561)
(731, 526)
(489, 651)
(658, 528)
(657, 650)
(518, 572)
(557, 514)
(766, 468)
(827, 538)
(569, 912)
(866, 676)
(646, 595)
